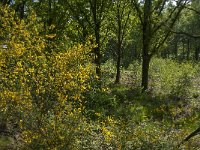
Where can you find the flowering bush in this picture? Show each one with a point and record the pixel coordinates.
(40, 91)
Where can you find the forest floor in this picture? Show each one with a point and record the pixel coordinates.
(162, 117)
(173, 98)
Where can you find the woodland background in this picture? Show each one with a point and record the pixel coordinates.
(99, 74)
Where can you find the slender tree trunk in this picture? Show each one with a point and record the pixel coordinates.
(145, 72)
(119, 42)
(20, 9)
(97, 26)
(118, 75)
(176, 49)
(183, 53)
(146, 45)
(97, 52)
(50, 19)
(188, 49)
(197, 53)
(98, 61)
(84, 32)
(145, 65)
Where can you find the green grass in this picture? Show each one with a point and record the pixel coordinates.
(172, 102)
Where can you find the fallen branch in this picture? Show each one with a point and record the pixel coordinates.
(194, 133)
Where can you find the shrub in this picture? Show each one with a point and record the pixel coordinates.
(41, 92)
(168, 77)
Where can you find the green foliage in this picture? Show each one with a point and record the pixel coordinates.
(109, 71)
(52, 99)
(168, 77)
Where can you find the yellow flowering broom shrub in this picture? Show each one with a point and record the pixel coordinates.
(40, 92)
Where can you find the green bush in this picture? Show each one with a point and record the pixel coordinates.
(168, 77)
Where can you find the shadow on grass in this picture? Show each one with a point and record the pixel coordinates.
(127, 103)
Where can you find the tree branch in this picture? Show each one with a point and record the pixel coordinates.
(138, 10)
(192, 9)
(157, 46)
(185, 33)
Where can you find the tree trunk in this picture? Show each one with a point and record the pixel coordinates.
(118, 75)
(197, 53)
(146, 44)
(98, 61)
(21, 8)
(188, 49)
(183, 53)
(50, 19)
(97, 26)
(145, 73)
(119, 42)
(176, 49)
(145, 61)
(97, 50)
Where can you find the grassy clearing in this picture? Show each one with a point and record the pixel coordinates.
(170, 108)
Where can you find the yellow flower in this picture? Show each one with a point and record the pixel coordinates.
(31, 70)
(98, 114)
